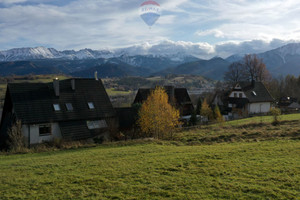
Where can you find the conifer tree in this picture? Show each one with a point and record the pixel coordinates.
(198, 108)
(217, 114)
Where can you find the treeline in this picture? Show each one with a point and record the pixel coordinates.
(288, 86)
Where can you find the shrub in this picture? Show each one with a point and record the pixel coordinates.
(16, 141)
(275, 112)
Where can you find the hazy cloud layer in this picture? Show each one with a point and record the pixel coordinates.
(206, 28)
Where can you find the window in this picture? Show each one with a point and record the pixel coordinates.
(45, 129)
(96, 124)
(235, 95)
(240, 95)
(91, 105)
(56, 107)
(254, 93)
(69, 106)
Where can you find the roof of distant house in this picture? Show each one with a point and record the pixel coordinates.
(256, 92)
(180, 94)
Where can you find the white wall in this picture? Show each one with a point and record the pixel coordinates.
(35, 138)
(238, 93)
(262, 107)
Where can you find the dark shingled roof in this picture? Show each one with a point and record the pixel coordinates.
(262, 94)
(33, 102)
(181, 96)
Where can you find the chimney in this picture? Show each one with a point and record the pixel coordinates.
(96, 75)
(73, 84)
(56, 86)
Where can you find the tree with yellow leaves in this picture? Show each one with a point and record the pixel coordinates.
(217, 115)
(206, 111)
(157, 118)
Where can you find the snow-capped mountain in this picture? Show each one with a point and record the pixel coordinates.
(162, 58)
(281, 61)
(173, 51)
(153, 57)
(37, 53)
(28, 53)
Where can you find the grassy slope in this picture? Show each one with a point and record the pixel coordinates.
(261, 170)
(250, 129)
(159, 170)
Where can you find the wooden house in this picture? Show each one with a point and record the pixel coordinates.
(249, 98)
(72, 109)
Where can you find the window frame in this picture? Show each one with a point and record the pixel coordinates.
(91, 105)
(96, 124)
(69, 106)
(56, 109)
(45, 126)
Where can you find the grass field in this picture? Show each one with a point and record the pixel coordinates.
(258, 170)
(261, 161)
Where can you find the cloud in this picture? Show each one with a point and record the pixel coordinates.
(209, 28)
(255, 46)
(214, 32)
(12, 1)
(248, 20)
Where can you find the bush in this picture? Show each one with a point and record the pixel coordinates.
(275, 112)
(16, 141)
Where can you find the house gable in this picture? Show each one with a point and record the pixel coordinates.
(250, 97)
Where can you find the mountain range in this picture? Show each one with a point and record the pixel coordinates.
(137, 62)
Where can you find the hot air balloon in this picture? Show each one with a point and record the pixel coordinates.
(150, 12)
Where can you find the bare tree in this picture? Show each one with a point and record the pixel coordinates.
(255, 69)
(235, 73)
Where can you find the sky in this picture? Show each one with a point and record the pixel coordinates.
(207, 28)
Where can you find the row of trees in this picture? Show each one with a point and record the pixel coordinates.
(288, 86)
(251, 68)
(206, 111)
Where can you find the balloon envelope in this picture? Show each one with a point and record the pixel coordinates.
(150, 12)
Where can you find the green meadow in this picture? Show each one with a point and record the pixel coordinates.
(260, 162)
